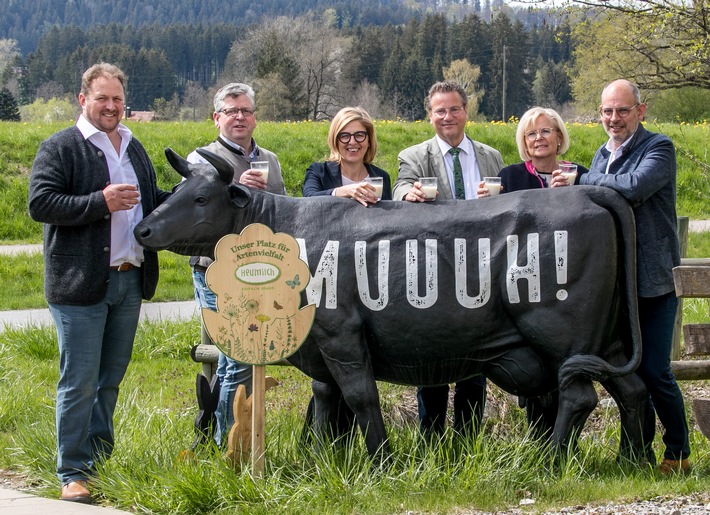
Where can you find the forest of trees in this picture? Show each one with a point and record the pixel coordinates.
(26, 21)
(307, 67)
(307, 59)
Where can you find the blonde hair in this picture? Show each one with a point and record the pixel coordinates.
(528, 120)
(340, 120)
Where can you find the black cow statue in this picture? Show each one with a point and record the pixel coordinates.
(535, 289)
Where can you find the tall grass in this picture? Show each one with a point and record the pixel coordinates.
(496, 470)
(298, 144)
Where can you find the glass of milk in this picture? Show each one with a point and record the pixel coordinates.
(429, 187)
(569, 172)
(493, 185)
(375, 182)
(263, 167)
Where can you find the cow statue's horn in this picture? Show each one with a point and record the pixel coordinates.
(182, 166)
(225, 170)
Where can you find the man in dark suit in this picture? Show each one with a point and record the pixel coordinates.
(641, 166)
(459, 164)
(90, 185)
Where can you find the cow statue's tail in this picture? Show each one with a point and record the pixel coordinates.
(595, 367)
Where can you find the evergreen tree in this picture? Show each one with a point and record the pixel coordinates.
(8, 107)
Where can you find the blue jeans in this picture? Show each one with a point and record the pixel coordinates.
(230, 373)
(95, 346)
(657, 316)
(469, 403)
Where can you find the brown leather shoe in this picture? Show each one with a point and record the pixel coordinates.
(668, 467)
(76, 491)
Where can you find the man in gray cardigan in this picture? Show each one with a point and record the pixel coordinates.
(459, 164)
(90, 185)
(641, 166)
(235, 117)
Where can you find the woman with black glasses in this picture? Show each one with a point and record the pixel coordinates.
(353, 146)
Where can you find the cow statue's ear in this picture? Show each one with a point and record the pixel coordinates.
(224, 169)
(178, 162)
(239, 195)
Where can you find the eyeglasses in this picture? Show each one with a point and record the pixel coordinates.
(623, 112)
(344, 137)
(453, 111)
(545, 132)
(232, 112)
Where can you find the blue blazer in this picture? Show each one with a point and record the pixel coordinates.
(323, 178)
(645, 176)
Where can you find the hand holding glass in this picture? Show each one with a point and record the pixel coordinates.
(569, 172)
(263, 167)
(493, 185)
(375, 182)
(429, 187)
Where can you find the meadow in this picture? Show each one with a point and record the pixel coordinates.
(502, 469)
(298, 144)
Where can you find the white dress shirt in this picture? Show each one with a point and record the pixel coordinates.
(469, 166)
(124, 247)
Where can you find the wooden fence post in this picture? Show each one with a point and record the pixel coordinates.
(682, 229)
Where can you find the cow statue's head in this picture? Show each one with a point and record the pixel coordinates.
(199, 212)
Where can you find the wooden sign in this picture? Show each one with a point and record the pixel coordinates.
(258, 278)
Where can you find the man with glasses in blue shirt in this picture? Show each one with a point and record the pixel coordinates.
(235, 117)
(459, 164)
(641, 166)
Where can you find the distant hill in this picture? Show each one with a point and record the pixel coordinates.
(27, 20)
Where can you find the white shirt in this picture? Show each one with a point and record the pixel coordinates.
(124, 246)
(615, 153)
(469, 166)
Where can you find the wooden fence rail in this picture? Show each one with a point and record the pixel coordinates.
(692, 280)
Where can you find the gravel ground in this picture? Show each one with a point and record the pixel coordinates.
(696, 504)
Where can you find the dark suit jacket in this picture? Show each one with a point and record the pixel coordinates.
(65, 193)
(323, 178)
(425, 160)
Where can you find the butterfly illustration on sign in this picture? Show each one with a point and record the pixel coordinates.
(294, 283)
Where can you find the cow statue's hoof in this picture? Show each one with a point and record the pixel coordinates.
(239, 438)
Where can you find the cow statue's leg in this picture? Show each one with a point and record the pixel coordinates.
(631, 397)
(328, 415)
(347, 359)
(577, 400)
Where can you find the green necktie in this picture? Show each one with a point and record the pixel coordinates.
(458, 174)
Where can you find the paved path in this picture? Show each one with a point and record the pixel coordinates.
(149, 311)
(13, 502)
(699, 226)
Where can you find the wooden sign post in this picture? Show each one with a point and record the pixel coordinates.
(258, 278)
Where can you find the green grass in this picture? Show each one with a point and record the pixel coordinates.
(154, 425)
(298, 144)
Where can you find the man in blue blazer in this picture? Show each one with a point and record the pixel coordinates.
(459, 164)
(90, 185)
(641, 166)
